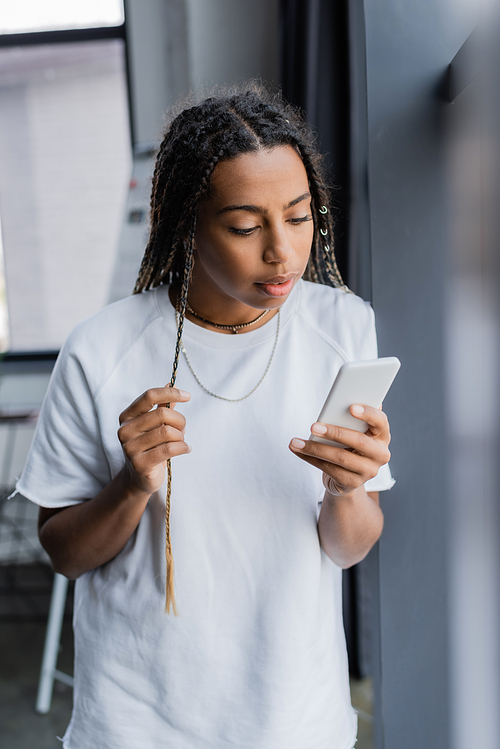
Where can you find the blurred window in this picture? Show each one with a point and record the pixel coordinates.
(64, 170)
(49, 15)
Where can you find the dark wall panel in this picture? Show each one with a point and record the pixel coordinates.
(315, 77)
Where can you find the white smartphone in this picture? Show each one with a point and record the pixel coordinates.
(366, 382)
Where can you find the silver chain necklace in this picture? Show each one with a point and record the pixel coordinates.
(221, 397)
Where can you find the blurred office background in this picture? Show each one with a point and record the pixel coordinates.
(404, 100)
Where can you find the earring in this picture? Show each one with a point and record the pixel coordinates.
(323, 209)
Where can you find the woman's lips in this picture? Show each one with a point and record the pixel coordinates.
(277, 289)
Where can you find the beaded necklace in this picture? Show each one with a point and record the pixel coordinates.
(234, 328)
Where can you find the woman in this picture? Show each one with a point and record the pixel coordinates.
(256, 657)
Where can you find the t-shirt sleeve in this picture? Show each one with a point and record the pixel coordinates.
(369, 350)
(66, 463)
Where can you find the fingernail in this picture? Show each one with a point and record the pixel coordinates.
(184, 394)
(189, 448)
(318, 429)
(298, 444)
(357, 410)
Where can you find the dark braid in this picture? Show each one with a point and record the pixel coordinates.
(226, 124)
(182, 303)
(181, 310)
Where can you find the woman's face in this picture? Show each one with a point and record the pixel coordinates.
(253, 235)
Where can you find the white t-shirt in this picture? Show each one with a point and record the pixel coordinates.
(256, 659)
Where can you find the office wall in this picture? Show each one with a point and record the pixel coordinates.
(408, 48)
(175, 45)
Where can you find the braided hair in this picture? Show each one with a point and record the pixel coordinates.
(227, 123)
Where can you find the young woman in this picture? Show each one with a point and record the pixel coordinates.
(262, 519)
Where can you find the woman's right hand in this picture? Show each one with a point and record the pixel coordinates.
(150, 436)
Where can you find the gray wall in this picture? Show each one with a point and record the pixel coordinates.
(409, 46)
(175, 45)
(473, 336)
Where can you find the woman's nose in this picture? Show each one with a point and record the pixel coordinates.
(278, 248)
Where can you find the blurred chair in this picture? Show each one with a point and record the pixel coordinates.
(23, 382)
(49, 672)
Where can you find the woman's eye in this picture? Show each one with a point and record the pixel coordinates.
(245, 232)
(242, 232)
(301, 219)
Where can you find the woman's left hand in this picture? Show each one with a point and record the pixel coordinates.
(347, 468)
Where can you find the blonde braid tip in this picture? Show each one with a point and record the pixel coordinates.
(169, 559)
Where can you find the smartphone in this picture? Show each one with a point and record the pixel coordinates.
(366, 382)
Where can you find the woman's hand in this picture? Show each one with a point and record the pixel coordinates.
(150, 436)
(81, 537)
(350, 520)
(345, 470)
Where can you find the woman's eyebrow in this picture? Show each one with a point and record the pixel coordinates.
(248, 208)
(260, 209)
(297, 200)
